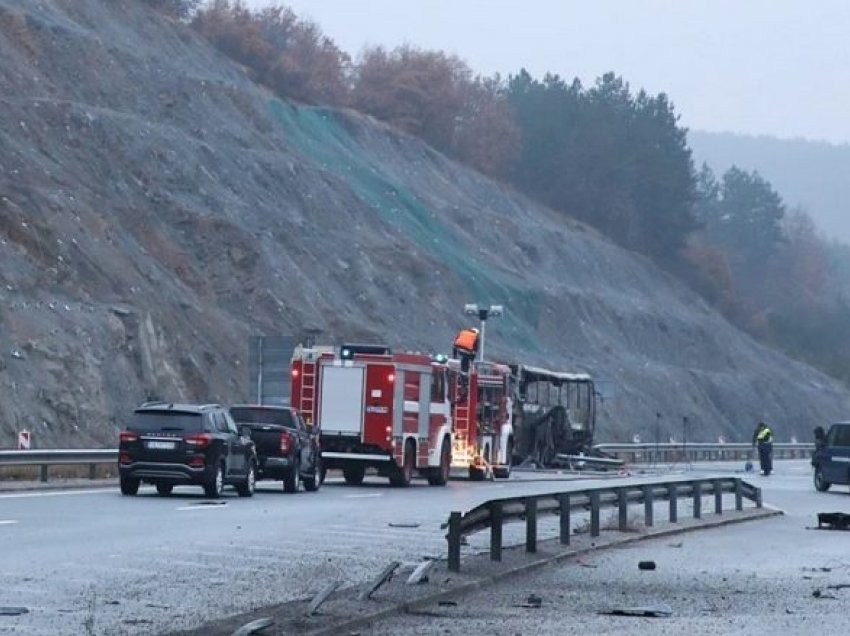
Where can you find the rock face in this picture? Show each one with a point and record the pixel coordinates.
(157, 209)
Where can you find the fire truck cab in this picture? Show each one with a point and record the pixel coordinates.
(376, 409)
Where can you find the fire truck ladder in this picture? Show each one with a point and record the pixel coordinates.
(462, 455)
(308, 390)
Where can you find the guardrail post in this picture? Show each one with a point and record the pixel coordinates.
(648, 502)
(697, 488)
(564, 502)
(496, 531)
(454, 542)
(531, 524)
(623, 513)
(739, 495)
(43, 472)
(672, 495)
(594, 514)
(718, 497)
(92, 471)
(758, 498)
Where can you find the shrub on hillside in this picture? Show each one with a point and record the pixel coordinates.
(289, 55)
(175, 8)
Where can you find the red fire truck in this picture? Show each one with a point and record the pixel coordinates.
(402, 413)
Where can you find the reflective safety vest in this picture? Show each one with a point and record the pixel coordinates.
(467, 339)
(765, 435)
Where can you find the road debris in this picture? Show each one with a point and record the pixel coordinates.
(447, 603)
(404, 524)
(254, 627)
(533, 601)
(385, 575)
(646, 565)
(675, 545)
(833, 521)
(13, 611)
(321, 597)
(820, 594)
(652, 611)
(420, 573)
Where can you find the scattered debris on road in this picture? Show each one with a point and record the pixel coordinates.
(646, 565)
(385, 575)
(447, 603)
(838, 586)
(820, 594)
(254, 627)
(833, 521)
(13, 611)
(533, 601)
(675, 545)
(321, 597)
(420, 573)
(404, 524)
(652, 611)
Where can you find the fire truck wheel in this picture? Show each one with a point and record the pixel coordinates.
(439, 476)
(353, 475)
(503, 472)
(401, 476)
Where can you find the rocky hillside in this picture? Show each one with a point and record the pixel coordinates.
(157, 209)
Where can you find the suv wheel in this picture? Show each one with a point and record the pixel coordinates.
(246, 488)
(820, 483)
(292, 480)
(164, 489)
(129, 486)
(312, 483)
(214, 487)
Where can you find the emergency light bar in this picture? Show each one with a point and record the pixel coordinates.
(347, 351)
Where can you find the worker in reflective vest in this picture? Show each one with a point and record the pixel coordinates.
(466, 347)
(763, 438)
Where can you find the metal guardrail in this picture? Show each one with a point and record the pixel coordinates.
(698, 451)
(59, 457)
(495, 513)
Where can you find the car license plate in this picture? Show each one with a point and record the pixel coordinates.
(154, 445)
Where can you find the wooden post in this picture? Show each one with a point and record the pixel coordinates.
(43, 472)
(92, 471)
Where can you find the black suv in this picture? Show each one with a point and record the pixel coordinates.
(172, 444)
(832, 461)
(288, 449)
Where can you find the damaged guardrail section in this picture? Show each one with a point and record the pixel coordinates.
(496, 512)
(46, 458)
(645, 453)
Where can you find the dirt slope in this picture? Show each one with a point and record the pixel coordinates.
(157, 209)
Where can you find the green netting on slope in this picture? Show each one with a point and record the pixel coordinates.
(318, 134)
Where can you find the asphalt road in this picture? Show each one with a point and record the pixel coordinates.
(774, 576)
(94, 562)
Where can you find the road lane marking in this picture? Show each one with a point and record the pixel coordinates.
(375, 494)
(204, 507)
(8, 522)
(58, 493)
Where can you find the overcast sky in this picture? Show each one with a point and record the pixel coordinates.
(776, 67)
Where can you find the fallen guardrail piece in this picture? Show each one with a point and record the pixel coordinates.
(321, 597)
(385, 575)
(254, 627)
(653, 611)
(833, 521)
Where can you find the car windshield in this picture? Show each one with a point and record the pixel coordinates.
(165, 421)
(259, 415)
